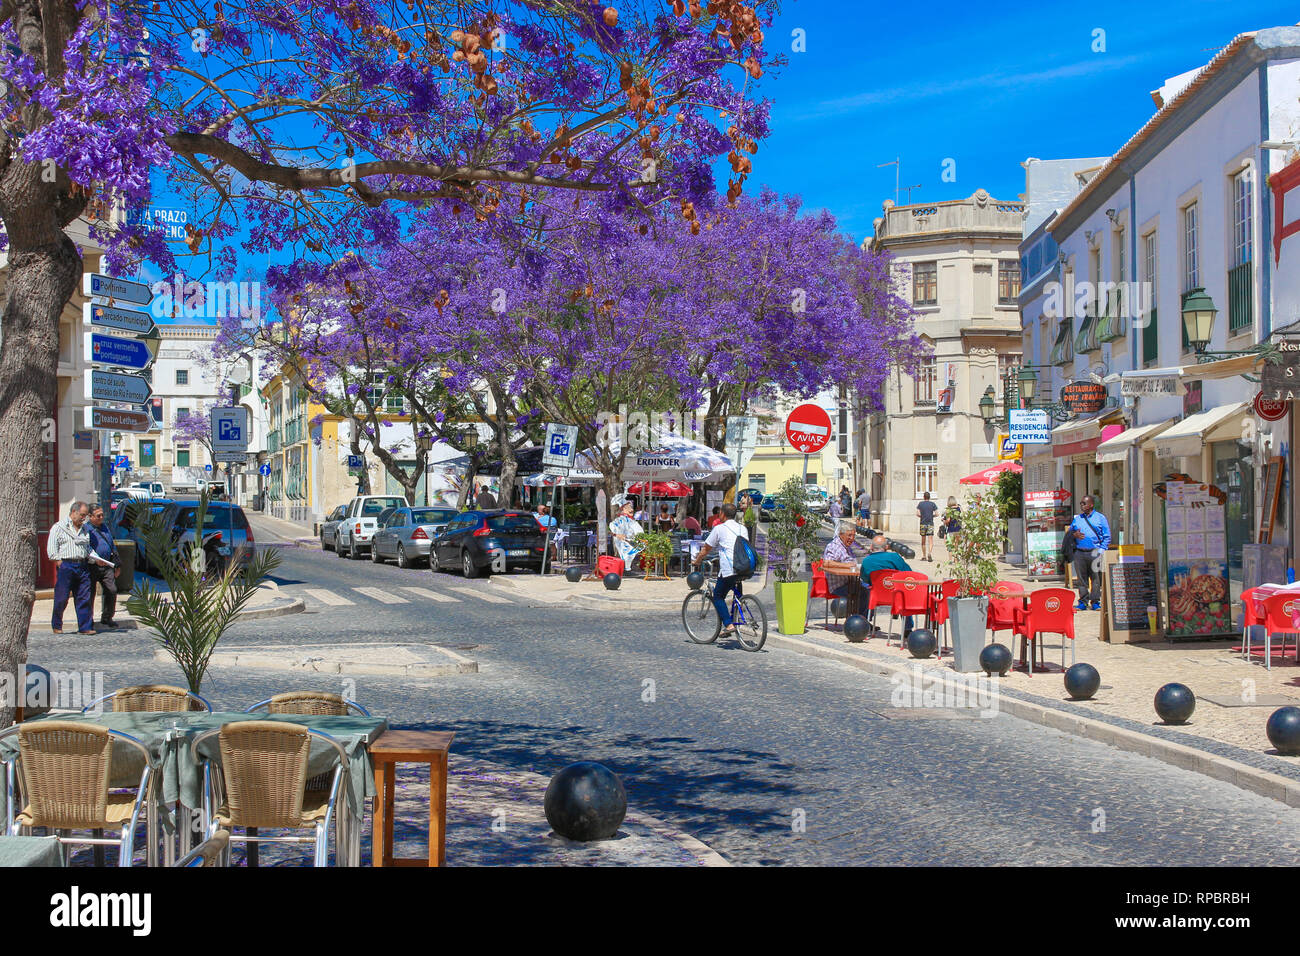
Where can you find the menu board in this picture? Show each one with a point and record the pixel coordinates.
(1047, 516)
(1132, 600)
(1196, 560)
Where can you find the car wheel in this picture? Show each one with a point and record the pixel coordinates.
(374, 552)
(353, 553)
(322, 541)
(467, 565)
(338, 549)
(434, 566)
(402, 562)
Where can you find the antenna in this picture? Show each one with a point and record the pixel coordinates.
(897, 163)
(909, 192)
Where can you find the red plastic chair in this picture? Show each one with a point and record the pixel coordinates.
(1278, 619)
(1252, 615)
(939, 608)
(906, 598)
(1004, 612)
(1050, 611)
(879, 594)
(821, 589)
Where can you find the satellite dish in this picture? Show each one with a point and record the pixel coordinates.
(238, 375)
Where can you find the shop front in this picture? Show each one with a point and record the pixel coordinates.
(1075, 444)
(1128, 472)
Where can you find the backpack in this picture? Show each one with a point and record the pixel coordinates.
(743, 559)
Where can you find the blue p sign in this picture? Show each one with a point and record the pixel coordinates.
(559, 446)
(228, 430)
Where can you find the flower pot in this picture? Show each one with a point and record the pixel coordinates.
(968, 622)
(792, 607)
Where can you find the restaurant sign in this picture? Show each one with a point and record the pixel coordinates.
(1136, 386)
(1280, 380)
(1084, 397)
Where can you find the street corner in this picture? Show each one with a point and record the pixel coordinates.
(411, 659)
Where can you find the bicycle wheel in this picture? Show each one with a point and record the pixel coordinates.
(751, 631)
(700, 618)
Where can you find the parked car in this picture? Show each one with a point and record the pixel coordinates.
(146, 489)
(474, 540)
(360, 521)
(405, 533)
(329, 529)
(236, 542)
(128, 523)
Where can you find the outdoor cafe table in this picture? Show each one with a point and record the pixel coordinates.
(935, 589)
(168, 735)
(30, 851)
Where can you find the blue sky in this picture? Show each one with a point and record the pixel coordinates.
(981, 87)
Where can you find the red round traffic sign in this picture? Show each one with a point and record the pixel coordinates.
(1269, 409)
(808, 429)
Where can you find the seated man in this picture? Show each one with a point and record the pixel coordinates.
(838, 563)
(882, 559)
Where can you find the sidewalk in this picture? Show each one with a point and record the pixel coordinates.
(267, 602)
(271, 530)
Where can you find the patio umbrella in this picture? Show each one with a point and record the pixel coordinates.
(990, 475)
(660, 489)
(672, 458)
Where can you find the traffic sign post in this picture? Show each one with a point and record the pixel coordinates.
(119, 419)
(124, 320)
(808, 429)
(115, 387)
(561, 446)
(229, 433)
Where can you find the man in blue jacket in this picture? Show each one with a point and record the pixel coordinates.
(1091, 538)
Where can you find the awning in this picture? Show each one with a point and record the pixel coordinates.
(1117, 448)
(1085, 433)
(1189, 435)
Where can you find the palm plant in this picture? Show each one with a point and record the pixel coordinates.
(200, 602)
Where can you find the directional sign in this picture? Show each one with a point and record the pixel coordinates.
(110, 317)
(808, 429)
(264, 471)
(230, 432)
(108, 287)
(119, 419)
(356, 461)
(742, 439)
(115, 387)
(561, 446)
(117, 351)
(207, 467)
(229, 456)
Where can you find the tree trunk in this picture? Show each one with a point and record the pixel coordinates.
(39, 282)
(363, 480)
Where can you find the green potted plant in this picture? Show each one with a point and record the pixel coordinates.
(1007, 491)
(791, 534)
(656, 551)
(200, 601)
(973, 566)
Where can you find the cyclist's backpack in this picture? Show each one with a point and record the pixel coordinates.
(743, 559)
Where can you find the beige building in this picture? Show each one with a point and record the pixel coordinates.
(958, 264)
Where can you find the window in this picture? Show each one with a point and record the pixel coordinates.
(1008, 282)
(1191, 260)
(183, 457)
(182, 412)
(1242, 217)
(1150, 338)
(927, 474)
(148, 454)
(925, 283)
(182, 376)
(923, 393)
(382, 395)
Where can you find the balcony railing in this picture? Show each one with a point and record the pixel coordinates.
(273, 441)
(1241, 300)
(294, 431)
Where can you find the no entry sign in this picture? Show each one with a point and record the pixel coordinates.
(808, 429)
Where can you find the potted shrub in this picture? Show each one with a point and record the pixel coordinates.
(656, 551)
(791, 534)
(201, 602)
(1007, 492)
(973, 565)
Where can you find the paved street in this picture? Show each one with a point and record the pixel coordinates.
(770, 758)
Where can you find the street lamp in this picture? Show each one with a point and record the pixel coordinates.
(423, 444)
(1028, 381)
(988, 407)
(1198, 319)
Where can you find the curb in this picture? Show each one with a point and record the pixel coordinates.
(294, 606)
(1258, 781)
(590, 602)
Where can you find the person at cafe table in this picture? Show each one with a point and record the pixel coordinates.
(1091, 537)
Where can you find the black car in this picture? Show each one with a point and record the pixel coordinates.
(480, 541)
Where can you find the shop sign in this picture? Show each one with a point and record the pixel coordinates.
(1136, 386)
(1271, 410)
(1040, 499)
(1280, 380)
(1008, 450)
(1083, 398)
(1193, 399)
(1028, 427)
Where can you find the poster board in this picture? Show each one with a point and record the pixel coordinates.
(1196, 562)
(1272, 491)
(1047, 516)
(1130, 598)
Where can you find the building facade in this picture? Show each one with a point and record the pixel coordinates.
(958, 264)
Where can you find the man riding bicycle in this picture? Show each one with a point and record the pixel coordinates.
(723, 540)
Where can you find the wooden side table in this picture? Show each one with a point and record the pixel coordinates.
(410, 746)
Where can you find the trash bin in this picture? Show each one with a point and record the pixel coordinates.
(125, 567)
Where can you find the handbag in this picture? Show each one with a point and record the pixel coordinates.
(943, 531)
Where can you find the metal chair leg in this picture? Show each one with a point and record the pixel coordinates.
(251, 854)
(99, 849)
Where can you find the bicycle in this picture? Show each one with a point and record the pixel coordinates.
(703, 625)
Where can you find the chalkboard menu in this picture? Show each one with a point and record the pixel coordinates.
(1133, 589)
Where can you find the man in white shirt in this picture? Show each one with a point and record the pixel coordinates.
(723, 540)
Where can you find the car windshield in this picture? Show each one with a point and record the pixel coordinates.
(377, 506)
(512, 522)
(432, 515)
(215, 519)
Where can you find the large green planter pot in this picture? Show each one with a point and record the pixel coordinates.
(792, 607)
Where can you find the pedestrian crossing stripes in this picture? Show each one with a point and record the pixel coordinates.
(328, 597)
(379, 594)
(481, 595)
(431, 594)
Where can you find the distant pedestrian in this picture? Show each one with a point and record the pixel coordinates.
(69, 549)
(544, 517)
(1091, 539)
(103, 567)
(836, 510)
(750, 517)
(925, 511)
(951, 522)
(665, 521)
(691, 523)
(716, 518)
(863, 504)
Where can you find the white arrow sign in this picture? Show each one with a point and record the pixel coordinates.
(110, 317)
(112, 387)
(108, 287)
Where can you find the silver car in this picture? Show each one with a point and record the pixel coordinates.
(329, 529)
(404, 533)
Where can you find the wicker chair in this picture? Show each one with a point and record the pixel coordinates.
(211, 852)
(66, 770)
(151, 698)
(309, 704)
(262, 784)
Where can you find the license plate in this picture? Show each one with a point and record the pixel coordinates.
(518, 554)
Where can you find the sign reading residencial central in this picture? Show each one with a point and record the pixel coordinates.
(1029, 427)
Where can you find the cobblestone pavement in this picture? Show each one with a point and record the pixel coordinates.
(768, 758)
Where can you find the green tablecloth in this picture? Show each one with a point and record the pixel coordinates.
(30, 851)
(167, 737)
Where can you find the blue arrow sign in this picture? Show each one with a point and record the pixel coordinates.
(265, 471)
(115, 387)
(119, 352)
(109, 287)
(110, 317)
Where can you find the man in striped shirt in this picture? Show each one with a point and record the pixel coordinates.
(69, 549)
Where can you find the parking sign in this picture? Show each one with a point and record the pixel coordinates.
(561, 446)
(230, 431)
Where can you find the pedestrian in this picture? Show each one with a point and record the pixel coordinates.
(1091, 539)
(723, 540)
(665, 521)
(716, 518)
(883, 559)
(69, 549)
(836, 510)
(750, 518)
(951, 522)
(103, 568)
(925, 511)
(863, 504)
(486, 500)
(692, 524)
(846, 500)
